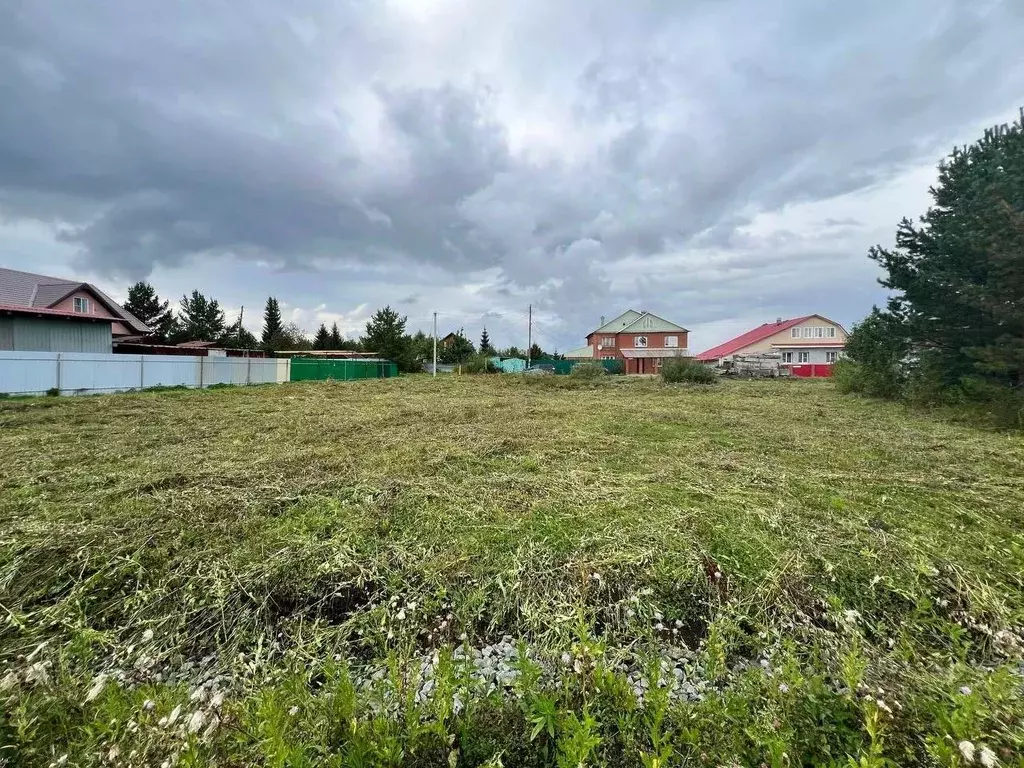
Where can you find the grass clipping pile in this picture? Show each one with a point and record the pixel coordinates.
(507, 571)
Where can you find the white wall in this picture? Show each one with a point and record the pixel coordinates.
(817, 354)
(31, 373)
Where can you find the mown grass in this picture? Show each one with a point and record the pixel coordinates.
(834, 579)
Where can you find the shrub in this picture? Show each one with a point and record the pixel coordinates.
(480, 364)
(588, 371)
(684, 369)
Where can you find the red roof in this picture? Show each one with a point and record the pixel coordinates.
(750, 337)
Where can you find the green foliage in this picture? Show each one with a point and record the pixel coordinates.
(876, 357)
(273, 328)
(536, 353)
(239, 337)
(335, 341)
(485, 344)
(199, 319)
(588, 371)
(480, 363)
(322, 340)
(687, 370)
(293, 615)
(145, 304)
(958, 275)
(456, 350)
(385, 335)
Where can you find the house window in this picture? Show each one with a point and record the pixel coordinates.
(819, 332)
(671, 341)
(795, 333)
(808, 333)
(830, 357)
(830, 332)
(639, 341)
(803, 357)
(607, 341)
(81, 304)
(607, 357)
(787, 357)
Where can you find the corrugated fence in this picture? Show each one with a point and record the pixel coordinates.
(72, 373)
(308, 369)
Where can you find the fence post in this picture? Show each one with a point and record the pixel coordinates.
(248, 369)
(142, 372)
(58, 372)
(201, 361)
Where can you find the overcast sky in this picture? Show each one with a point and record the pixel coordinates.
(718, 163)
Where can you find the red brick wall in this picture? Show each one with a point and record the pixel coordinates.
(627, 340)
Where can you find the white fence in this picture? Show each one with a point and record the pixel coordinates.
(73, 373)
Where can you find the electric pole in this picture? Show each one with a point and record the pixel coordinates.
(241, 314)
(435, 345)
(529, 336)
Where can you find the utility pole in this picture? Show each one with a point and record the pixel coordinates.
(529, 336)
(241, 314)
(435, 345)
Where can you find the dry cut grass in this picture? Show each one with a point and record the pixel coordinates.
(265, 538)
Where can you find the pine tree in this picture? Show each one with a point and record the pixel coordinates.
(272, 324)
(959, 272)
(335, 341)
(536, 353)
(322, 340)
(145, 304)
(385, 336)
(199, 319)
(485, 344)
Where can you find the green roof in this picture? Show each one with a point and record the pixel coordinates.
(620, 322)
(653, 323)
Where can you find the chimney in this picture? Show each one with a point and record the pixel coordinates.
(602, 321)
(778, 321)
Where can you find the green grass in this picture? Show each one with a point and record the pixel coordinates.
(820, 575)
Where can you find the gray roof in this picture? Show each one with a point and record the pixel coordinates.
(25, 289)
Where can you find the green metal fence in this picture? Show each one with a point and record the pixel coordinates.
(564, 367)
(308, 369)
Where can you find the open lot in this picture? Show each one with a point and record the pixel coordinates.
(452, 571)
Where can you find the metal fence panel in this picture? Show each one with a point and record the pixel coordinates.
(31, 373)
(308, 369)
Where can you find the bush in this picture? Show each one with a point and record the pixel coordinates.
(480, 364)
(588, 371)
(685, 369)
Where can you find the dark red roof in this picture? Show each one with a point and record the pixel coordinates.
(18, 310)
(750, 337)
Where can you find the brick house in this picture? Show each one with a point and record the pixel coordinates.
(809, 345)
(50, 314)
(640, 340)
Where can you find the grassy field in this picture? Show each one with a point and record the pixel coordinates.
(495, 570)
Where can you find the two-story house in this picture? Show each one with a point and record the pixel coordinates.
(640, 340)
(51, 314)
(809, 345)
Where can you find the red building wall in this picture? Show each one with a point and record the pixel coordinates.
(655, 340)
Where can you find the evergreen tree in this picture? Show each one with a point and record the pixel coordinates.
(456, 351)
(513, 352)
(272, 325)
(238, 336)
(959, 272)
(536, 353)
(385, 335)
(144, 303)
(335, 341)
(322, 340)
(199, 319)
(422, 346)
(485, 344)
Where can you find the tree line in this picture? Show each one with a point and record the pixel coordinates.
(953, 331)
(201, 318)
